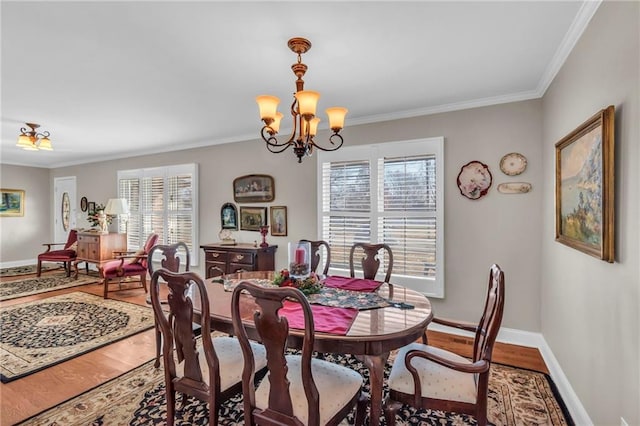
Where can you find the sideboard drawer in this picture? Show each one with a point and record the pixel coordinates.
(88, 239)
(216, 256)
(242, 258)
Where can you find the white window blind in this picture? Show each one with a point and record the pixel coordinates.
(390, 193)
(161, 200)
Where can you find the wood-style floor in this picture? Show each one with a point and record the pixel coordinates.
(32, 394)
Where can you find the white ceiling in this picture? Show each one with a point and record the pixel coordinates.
(114, 79)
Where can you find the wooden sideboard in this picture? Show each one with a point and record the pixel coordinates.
(227, 259)
(97, 248)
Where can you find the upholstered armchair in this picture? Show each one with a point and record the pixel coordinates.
(65, 255)
(128, 265)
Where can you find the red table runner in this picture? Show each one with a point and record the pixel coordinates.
(326, 319)
(353, 284)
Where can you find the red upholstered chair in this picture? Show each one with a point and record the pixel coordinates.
(65, 255)
(128, 266)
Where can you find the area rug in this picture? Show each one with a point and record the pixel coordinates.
(516, 397)
(25, 270)
(29, 286)
(36, 335)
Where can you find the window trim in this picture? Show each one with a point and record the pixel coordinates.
(430, 287)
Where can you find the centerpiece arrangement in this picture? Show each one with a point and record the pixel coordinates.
(309, 285)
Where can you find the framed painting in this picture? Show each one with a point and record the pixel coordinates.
(253, 188)
(229, 216)
(91, 207)
(252, 218)
(278, 221)
(12, 202)
(585, 171)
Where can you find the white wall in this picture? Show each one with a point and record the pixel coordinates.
(21, 238)
(590, 309)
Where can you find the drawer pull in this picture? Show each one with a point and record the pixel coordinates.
(239, 256)
(215, 254)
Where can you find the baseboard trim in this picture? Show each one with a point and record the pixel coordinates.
(16, 263)
(537, 340)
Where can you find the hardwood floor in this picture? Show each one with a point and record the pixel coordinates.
(32, 394)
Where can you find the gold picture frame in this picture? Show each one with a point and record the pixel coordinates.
(253, 189)
(585, 173)
(278, 218)
(252, 218)
(12, 202)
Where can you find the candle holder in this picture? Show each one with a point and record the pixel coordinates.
(263, 231)
(299, 260)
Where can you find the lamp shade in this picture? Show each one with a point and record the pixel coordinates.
(45, 144)
(307, 101)
(336, 117)
(267, 105)
(117, 206)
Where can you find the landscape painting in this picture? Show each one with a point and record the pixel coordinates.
(584, 187)
(12, 202)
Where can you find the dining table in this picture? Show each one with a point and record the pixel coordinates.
(388, 318)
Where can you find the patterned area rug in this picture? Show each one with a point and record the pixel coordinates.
(516, 397)
(29, 286)
(39, 334)
(25, 270)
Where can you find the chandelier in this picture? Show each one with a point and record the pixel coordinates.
(303, 112)
(31, 140)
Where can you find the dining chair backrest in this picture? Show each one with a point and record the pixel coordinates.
(317, 254)
(171, 257)
(491, 319)
(370, 261)
(273, 332)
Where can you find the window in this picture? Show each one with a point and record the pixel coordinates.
(390, 193)
(161, 200)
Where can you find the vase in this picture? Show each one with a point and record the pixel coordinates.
(299, 260)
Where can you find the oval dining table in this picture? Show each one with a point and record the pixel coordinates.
(371, 337)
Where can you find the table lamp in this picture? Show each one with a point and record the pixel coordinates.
(118, 207)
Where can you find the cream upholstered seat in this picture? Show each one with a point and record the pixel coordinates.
(231, 362)
(437, 381)
(424, 376)
(299, 389)
(336, 384)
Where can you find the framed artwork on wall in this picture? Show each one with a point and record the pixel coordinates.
(252, 218)
(12, 202)
(84, 204)
(585, 170)
(91, 207)
(253, 189)
(278, 221)
(229, 216)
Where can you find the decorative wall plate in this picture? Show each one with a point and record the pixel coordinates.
(514, 187)
(474, 180)
(513, 164)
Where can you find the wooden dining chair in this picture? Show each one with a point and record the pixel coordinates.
(317, 255)
(209, 369)
(424, 376)
(370, 261)
(171, 256)
(300, 390)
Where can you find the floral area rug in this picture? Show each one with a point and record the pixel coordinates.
(516, 397)
(36, 335)
(29, 286)
(25, 270)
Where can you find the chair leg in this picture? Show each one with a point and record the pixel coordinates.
(106, 287)
(67, 268)
(390, 409)
(158, 344)
(39, 269)
(171, 406)
(361, 409)
(143, 280)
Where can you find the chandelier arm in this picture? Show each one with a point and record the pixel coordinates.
(43, 135)
(331, 139)
(272, 143)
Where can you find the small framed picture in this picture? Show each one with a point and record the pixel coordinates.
(12, 202)
(279, 221)
(84, 204)
(229, 216)
(91, 207)
(252, 218)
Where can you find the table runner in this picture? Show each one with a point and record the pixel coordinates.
(353, 284)
(326, 319)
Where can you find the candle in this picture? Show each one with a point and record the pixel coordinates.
(299, 255)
